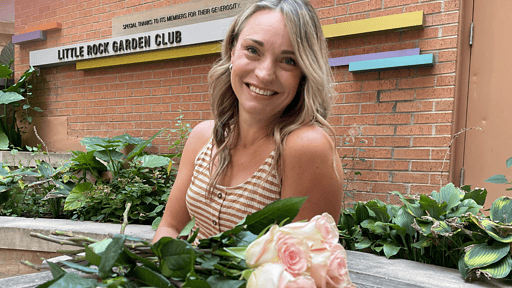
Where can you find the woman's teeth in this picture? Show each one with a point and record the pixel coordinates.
(259, 91)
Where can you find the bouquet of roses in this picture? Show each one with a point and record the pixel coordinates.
(299, 255)
(255, 253)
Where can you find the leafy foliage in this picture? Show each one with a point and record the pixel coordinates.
(445, 229)
(126, 262)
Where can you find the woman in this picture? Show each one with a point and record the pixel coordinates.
(270, 93)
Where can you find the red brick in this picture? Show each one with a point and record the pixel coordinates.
(380, 153)
(451, 30)
(411, 153)
(390, 165)
(152, 100)
(360, 97)
(397, 73)
(379, 85)
(180, 89)
(422, 118)
(440, 178)
(394, 119)
(404, 177)
(440, 68)
(152, 117)
(398, 95)
(444, 105)
(364, 6)
(347, 87)
(385, 12)
(417, 82)
(424, 189)
(429, 166)
(393, 141)
(358, 120)
(442, 92)
(451, 5)
(435, 141)
(436, 44)
(427, 8)
(416, 106)
(378, 130)
(160, 108)
(377, 108)
(365, 197)
(413, 35)
(322, 3)
(414, 130)
(373, 176)
(443, 129)
(393, 3)
(345, 109)
(440, 154)
(387, 187)
(332, 12)
(440, 19)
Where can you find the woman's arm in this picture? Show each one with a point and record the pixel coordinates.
(176, 215)
(310, 169)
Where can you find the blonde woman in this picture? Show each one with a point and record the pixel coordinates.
(271, 94)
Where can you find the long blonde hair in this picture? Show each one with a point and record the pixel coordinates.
(312, 102)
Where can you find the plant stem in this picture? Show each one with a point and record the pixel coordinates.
(125, 217)
(54, 240)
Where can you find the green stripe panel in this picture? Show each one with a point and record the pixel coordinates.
(392, 63)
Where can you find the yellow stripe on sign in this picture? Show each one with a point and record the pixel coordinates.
(180, 52)
(409, 20)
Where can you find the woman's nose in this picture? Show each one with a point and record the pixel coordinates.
(265, 70)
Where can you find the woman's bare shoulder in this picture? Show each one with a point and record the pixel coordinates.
(308, 140)
(200, 135)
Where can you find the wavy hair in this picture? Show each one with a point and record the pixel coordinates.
(312, 102)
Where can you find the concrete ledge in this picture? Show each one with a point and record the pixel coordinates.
(15, 232)
(27, 159)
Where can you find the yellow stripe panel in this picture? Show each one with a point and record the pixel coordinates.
(379, 24)
(165, 54)
(385, 23)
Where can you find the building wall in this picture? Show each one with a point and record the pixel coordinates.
(399, 121)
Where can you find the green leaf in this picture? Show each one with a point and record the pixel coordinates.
(155, 223)
(91, 256)
(46, 170)
(434, 209)
(150, 277)
(73, 280)
(423, 242)
(152, 161)
(365, 243)
(80, 267)
(56, 270)
(424, 226)
(491, 229)
(497, 179)
(188, 228)
(481, 255)
(4, 141)
(76, 198)
(221, 282)
(478, 195)
(140, 147)
(176, 256)
(404, 219)
(111, 255)
(411, 206)
(238, 252)
(273, 213)
(499, 269)
(501, 210)
(87, 161)
(7, 56)
(192, 281)
(449, 194)
(463, 268)
(147, 263)
(390, 250)
(380, 209)
(361, 214)
(10, 97)
(509, 162)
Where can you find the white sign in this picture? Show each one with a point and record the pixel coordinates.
(187, 13)
(198, 33)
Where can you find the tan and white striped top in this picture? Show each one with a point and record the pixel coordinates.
(229, 205)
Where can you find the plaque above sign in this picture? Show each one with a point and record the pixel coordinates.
(176, 15)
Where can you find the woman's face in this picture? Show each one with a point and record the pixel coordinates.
(265, 73)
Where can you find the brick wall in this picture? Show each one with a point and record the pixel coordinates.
(399, 121)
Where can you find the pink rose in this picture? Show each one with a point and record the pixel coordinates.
(319, 232)
(293, 253)
(328, 229)
(274, 275)
(262, 250)
(329, 267)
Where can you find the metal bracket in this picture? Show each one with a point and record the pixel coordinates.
(471, 34)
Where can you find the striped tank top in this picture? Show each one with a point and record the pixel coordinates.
(229, 205)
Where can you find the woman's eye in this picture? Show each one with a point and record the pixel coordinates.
(290, 61)
(252, 50)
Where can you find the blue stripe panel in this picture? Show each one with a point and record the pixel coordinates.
(342, 61)
(37, 35)
(392, 63)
